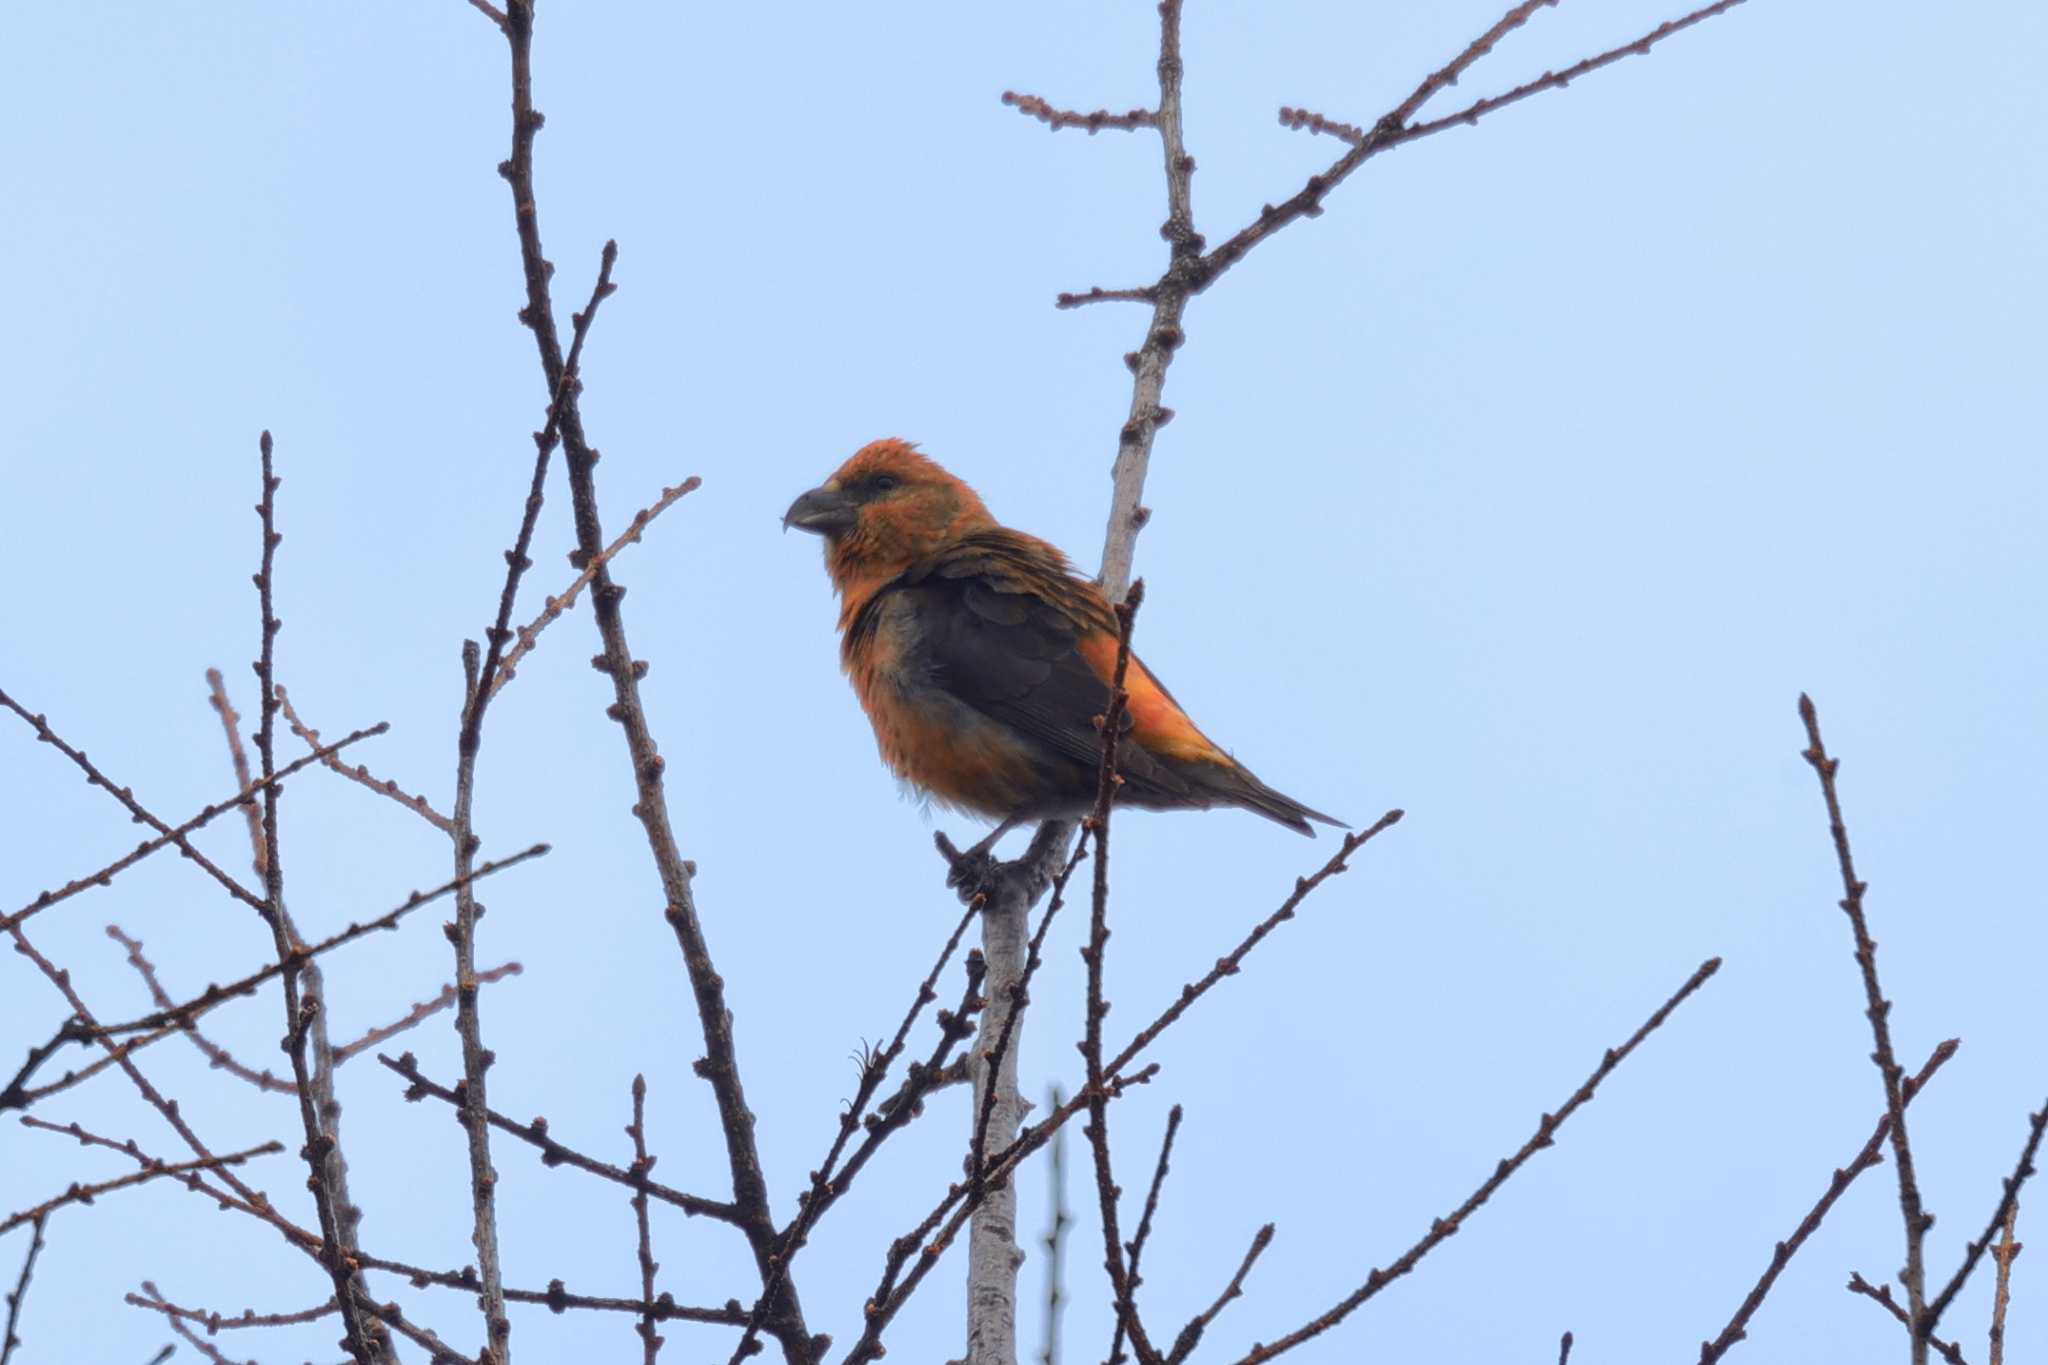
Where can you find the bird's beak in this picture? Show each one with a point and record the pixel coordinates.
(825, 511)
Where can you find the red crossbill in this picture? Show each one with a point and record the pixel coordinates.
(984, 661)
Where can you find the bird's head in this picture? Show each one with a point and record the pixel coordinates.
(882, 511)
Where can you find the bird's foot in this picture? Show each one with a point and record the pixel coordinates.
(972, 873)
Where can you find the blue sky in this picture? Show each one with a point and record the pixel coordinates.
(1525, 489)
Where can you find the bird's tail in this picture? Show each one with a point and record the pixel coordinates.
(1237, 786)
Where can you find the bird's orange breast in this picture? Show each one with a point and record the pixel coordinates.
(928, 738)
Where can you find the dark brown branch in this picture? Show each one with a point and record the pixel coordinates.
(1191, 1335)
(1878, 1011)
(1094, 955)
(1144, 1233)
(358, 773)
(11, 1337)
(1974, 1252)
(553, 1153)
(1564, 1349)
(1443, 1228)
(302, 998)
(1054, 118)
(166, 834)
(720, 1065)
(1782, 1254)
(82, 1193)
(1882, 1296)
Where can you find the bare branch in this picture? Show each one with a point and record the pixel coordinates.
(1882, 1296)
(1974, 1252)
(11, 1338)
(418, 1014)
(358, 773)
(1443, 1228)
(167, 834)
(1782, 1254)
(720, 1065)
(81, 1193)
(219, 1056)
(2004, 1254)
(1144, 1233)
(1054, 118)
(1878, 1011)
(553, 1153)
(650, 1340)
(302, 999)
(238, 758)
(1056, 1240)
(555, 606)
(1191, 1335)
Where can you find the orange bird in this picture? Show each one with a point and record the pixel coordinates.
(984, 661)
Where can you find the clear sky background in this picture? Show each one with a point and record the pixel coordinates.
(1525, 489)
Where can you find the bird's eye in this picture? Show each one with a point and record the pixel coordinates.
(884, 483)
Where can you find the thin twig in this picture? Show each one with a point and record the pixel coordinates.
(1782, 1254)
(238, 756)
(2003, 1254)
(1191, 1335)
(214, 1053)
(1055, 118)
(1878, 1011)
(1564, 1349)
(553, 1153)
(418, 1014)
(81, 1193)
(720, 1066)
(358, 773)
(1443, 1228)
(555, 606)
(650, 1340)
(1882, 1296)
(1095, 955)
(1144, 1233)
(302, 999)
(220, 1322)
(1394, 129)
(1055, 1240)
(166, 834)
(214, 996)
(10, 1338)
(830, 1180)
(1974, 1252)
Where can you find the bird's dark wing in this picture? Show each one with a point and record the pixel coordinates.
(998, 619)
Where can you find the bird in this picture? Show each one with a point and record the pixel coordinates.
(984, 660)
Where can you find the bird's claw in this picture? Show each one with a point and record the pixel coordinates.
(973, 874)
